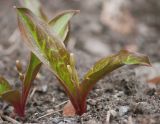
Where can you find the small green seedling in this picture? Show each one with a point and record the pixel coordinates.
(58, 25)
(51, 51)
(15, 97)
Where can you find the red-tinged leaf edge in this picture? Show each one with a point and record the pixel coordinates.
(62, 53)
(14, 98)
(78, 94)
(4, 86)
(45, 54)
(109, 64)
(32, 70)
(63, 29)
(11, 96)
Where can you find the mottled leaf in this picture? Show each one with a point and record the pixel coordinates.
(109, 64)
(34, 63)
(48, 48)
(4, 85)
(60, 23)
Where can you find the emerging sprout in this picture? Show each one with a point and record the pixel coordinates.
(47, 44)
(15, 97)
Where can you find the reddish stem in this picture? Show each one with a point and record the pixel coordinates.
(18, 109)
(79, 105)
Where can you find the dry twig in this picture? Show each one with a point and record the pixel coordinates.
(108, 117)
(7, 118)
(32, 93)
(49, 113)
(61, 104)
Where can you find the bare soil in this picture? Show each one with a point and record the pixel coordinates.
(122, 97)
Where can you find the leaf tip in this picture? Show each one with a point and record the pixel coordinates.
(146, 61)
(135, 58)
(18, 9)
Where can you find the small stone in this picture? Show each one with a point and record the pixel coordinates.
(92, 102)
(123, 110)
(99, 106)
(113, 113)
(40, 76)
(49, 110)
(119, 94)
(53, 99)
(44, 88)
(88, 107)
(10, 108)
(125, 121)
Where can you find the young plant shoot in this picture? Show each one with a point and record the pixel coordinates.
(58, 25)
(49, 47)
(13, 96)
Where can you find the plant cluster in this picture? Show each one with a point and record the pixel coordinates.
(59, 25)
(46, 41)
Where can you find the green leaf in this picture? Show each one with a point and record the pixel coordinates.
(60, 23)
(4, 85)
(12, 97)
(49, 49)
(34, 63)
(109, 64)
(32, 70)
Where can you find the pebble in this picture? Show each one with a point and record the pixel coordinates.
(123, 110)
(113, 113)
(92, 102)
(119, 94)
(43, 88)
(99, 106)
(88, 107)
(53, 99)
